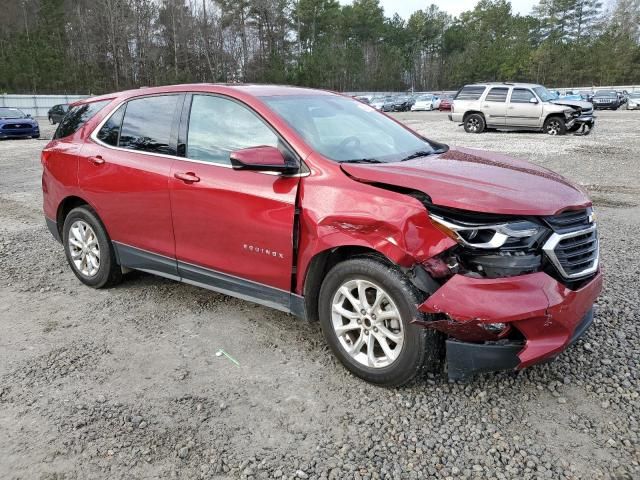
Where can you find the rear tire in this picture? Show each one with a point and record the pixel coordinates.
(555, 126)
(408, 349)
(89, 250)
(474, 123)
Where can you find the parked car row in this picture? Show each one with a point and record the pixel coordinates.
(14, 123)
(405, 103)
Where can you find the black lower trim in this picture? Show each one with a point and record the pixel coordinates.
(466, 359)
(582, 327)
(53, 228)
(137, 259)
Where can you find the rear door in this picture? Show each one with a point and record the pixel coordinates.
(521, 112)
(233, 228)
(124, 173)
(494, 106)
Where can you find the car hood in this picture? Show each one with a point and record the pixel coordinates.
(573, 103)
(478, 181)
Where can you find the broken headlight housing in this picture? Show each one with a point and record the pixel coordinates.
(490, 236)
(491, 246)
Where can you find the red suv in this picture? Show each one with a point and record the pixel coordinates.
(318, 205)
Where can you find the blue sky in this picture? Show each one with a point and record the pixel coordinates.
(454, 7)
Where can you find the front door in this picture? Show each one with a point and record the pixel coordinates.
(233, 228)
(521, 112)
(495, 106)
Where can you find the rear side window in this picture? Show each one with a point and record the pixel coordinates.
(147, 124)
(218, 126)
(521, 95)
(110, 131)
(77, 117)
(497, 94)
(470, 92)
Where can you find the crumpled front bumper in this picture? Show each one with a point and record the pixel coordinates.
(548, 314)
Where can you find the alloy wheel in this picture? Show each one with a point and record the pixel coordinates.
(84, 248)
(367, 323)
(474, 124)
(553, 128)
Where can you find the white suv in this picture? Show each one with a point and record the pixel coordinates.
(519, 106)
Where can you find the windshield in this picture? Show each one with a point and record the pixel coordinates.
(424, 98)
(345, 130)
(11, 113)
(634, 95)
(606, 93)
(544, 94)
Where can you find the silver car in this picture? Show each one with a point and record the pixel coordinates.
(519, 106)
(633, 101)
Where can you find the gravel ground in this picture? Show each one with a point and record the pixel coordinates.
(124, 383)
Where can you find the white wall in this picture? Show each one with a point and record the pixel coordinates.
(37, 105)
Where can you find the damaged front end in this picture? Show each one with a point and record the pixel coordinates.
(513, 291)
(579, 118)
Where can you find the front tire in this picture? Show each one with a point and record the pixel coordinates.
(366, 310)
(89, 250)
(474, 123)
(555, 126)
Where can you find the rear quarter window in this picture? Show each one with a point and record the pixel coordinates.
(77, 117)
(470, 92)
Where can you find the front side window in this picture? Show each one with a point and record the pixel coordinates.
(110, 131)
(522, 95)
(77, 117)
(219, 126)
(147, 124)
(544, 94)
(497, 94)
(345, 130)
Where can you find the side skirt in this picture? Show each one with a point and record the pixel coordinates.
(137, 259)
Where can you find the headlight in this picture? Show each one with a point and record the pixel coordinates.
(517, 233)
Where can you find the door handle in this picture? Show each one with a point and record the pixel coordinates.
(187, 177)
(97, 160)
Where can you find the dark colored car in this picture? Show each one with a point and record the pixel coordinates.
(57, 113)
(606, 99)
(402, 104)
(320, 206)
(14, 123)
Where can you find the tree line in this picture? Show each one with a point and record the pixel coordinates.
(96, 46)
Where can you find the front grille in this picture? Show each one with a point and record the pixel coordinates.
(571, 220)
(16, 126)
(574, 254)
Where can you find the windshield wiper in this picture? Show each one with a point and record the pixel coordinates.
(362, 160)
(418, 154)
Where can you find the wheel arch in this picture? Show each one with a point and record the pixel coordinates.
(559, 115)
(66, 205)
(320, 265)
(468, 113)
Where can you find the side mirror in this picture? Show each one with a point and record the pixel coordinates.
(533, 100)
(261, 159)
(28, 115)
